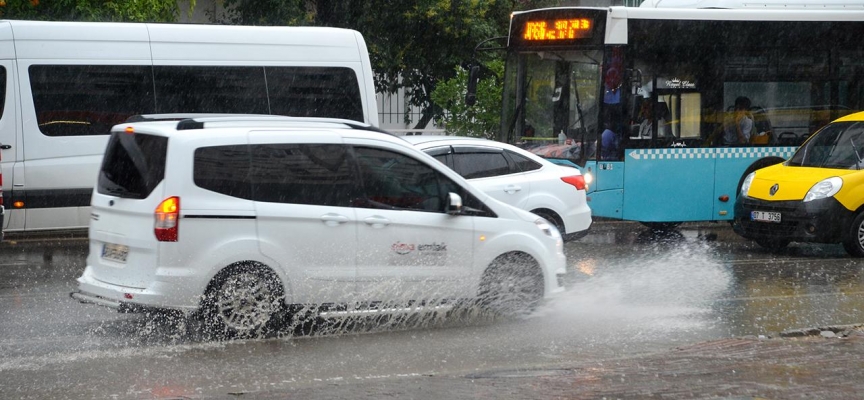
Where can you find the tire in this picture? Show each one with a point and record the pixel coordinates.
(243, 302)
(854, 240)
(772, 244)
(512, 286)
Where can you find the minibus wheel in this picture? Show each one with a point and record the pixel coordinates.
(854, 240)
(242, 301)
(512, 286)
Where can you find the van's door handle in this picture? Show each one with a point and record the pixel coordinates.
(512, 189)
(334, 219)
(377, 222)
(5, 146)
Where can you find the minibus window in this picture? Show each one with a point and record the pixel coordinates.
(75, 100)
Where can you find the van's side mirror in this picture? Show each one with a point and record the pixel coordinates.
(473, 79)
(454, 204)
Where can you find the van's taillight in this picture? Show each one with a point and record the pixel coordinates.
(167, 220)
(575, 180)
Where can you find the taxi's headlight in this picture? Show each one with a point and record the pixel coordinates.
(547, 228)
(824, 189)
(745, 186)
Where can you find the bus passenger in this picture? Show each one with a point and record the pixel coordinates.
(608, 143)
(737, 131)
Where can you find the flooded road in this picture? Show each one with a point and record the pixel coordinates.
(629, 291)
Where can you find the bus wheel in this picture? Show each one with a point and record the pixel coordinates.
(772, 244)
(854, 240)
(661, 226)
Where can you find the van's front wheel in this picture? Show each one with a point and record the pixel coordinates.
(512, 286)
(242, 302)
(854, 240)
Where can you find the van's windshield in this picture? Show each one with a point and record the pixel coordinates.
(838, 145)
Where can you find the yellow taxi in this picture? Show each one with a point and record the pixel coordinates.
(815, 196)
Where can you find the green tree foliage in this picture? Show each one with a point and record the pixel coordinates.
(92, 10)
(413, 44)
(480, 120)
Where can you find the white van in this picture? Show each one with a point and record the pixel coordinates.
(238, 219)
(64, 84)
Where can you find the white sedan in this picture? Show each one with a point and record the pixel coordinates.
(516, 177)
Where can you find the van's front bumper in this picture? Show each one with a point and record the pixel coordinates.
(818, 221)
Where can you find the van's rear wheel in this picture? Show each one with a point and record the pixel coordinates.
(854, 240)
(512, 286)
(243, 302)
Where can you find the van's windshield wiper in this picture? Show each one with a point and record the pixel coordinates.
(857, 155)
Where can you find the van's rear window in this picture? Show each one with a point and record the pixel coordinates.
(133, 165)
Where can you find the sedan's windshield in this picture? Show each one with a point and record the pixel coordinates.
(838, 145)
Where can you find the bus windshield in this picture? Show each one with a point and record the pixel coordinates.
(548, 93)
(839, 145)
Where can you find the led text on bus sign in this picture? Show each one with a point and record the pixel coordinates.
(559, 29)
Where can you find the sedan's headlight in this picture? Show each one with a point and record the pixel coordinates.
(547, 228)
(745, 186)
(824, 189)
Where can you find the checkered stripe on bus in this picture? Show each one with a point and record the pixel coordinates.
(697, 153)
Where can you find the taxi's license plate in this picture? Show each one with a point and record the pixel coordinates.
(115, 252)
(764, 216)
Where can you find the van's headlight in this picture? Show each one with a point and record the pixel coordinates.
(745, 187)
(547, 228)
(824, 189)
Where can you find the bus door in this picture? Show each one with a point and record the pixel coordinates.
(667, 171)
(10, 149)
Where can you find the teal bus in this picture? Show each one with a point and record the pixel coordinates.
(665, 111)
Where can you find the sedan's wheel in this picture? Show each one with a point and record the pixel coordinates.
(555, 220)
(854, 240)
(512, 286)
(243, 303)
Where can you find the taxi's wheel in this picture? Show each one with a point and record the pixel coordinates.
(854, 240)
(243, 302)
(512, 286)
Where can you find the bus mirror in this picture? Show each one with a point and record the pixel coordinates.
(635, 77)
(473, 78)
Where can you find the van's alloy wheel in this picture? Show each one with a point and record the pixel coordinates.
(854, 240)
(245, 302)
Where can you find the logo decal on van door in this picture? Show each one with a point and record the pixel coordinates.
(402, 248)
(428, 249)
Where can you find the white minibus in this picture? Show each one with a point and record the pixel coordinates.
(64, 84)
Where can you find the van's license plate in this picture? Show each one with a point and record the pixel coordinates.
(765, 216)
(115, 252)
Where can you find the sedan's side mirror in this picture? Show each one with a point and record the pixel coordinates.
(454, 204)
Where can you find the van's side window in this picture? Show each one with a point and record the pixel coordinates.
(73, 100)
(331, 92)
(205, 89)
(313, 174)
(395, 181)
(223, 169)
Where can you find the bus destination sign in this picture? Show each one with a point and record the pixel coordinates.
(540, 31)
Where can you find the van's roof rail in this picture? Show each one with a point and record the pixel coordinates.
(197, 121)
